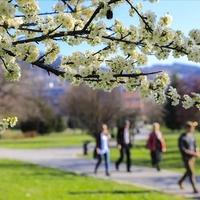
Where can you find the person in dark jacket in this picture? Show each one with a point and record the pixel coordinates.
(102, 149)
(124, 145)
(156, 145)
(189, 151)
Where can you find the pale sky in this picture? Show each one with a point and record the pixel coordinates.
(186, 16)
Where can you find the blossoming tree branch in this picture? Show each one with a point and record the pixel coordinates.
(116, 51)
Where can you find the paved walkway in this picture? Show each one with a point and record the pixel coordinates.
(68, 159)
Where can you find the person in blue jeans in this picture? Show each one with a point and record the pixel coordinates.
(102, 149)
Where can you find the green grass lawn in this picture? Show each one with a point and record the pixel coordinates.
(65, 139)
(21, 181)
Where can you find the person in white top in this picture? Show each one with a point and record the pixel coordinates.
(126, 134)
(103, 149)
(124, 145)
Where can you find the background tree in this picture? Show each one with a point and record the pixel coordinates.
(44, 121)
(153, 112)
(171, 116)
(26, 100)
(88, 109)
(16, 98)
(175, 117)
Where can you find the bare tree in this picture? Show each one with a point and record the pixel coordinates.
(19, 98)
(24, 98)
(153, 112)
(88, 109)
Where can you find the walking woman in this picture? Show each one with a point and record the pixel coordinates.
(156, 145)
(102, 149)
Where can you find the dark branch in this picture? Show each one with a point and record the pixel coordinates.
(4, 63)
(52, 36)
(96, 12)
(103, 49)
(120, 75)
(141, 17)
(48, 68)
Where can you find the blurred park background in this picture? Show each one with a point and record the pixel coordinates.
(54, 114)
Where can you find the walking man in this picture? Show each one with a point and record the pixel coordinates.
(189, 152)
(124, 145)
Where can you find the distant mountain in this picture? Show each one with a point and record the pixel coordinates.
(183, 70)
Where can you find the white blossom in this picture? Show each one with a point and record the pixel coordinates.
(166, 20)
(173, 95)
(7, 122)
(111, 44)
(188, 102)
(60, 6)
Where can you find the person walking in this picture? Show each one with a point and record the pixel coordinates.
(102, 149)
(124, 145)
(156, 144)
(189, 151)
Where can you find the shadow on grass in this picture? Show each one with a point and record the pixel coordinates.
(113, 192)
(27, 141)
(142, 162)
(14, 165)
(53, 174)
(140, 146)
(173, 151)
(35, 170)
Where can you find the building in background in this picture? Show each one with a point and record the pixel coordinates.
(132, 100)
